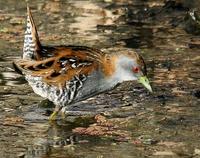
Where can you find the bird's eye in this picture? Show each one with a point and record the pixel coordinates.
(135, 69)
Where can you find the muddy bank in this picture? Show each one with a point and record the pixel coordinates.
(133, 123)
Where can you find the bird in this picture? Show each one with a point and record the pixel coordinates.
(67, 74)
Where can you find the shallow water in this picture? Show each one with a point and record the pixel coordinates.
(135, 123)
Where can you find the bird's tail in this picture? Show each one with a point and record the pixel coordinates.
(32, 46)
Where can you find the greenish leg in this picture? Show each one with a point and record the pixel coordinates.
(53, 116)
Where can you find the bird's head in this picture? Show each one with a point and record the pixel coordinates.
(130, 66)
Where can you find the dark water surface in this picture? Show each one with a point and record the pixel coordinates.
(133, 123)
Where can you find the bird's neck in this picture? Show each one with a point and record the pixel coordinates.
(113, 68)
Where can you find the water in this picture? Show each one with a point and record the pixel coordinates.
(136, 124)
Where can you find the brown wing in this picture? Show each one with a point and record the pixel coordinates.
(60, 64)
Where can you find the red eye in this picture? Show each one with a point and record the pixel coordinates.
(135, 69)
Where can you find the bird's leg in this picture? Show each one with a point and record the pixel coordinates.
(54, 114)
(63, 115)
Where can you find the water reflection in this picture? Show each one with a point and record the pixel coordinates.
(8, 77)
(170, 115)
(11, 79)
(56, 140)
(91, 15)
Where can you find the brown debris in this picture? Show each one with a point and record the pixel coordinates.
(103, 127)
(13, 120)
(102, 121)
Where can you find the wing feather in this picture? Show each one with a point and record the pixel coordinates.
(62, 64)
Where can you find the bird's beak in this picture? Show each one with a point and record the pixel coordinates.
(145, 82)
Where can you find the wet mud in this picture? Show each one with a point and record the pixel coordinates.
(127, 121)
